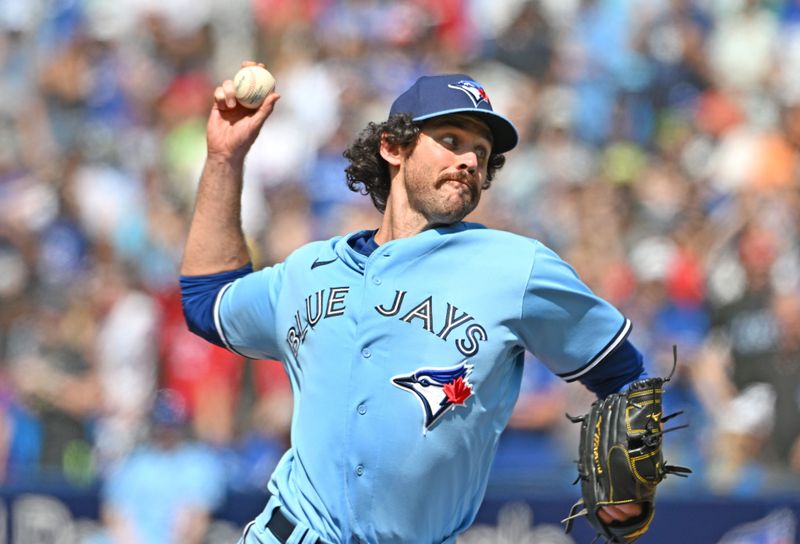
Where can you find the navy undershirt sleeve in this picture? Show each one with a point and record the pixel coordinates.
(198, 295)
(621, 367)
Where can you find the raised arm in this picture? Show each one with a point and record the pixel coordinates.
(216, 242)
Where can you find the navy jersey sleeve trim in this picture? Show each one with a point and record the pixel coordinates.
(200, 297)
(623, 366)
(615, 342)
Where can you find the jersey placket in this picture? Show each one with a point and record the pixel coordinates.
(365, 447)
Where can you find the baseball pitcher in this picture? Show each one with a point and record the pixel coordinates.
(405, 344)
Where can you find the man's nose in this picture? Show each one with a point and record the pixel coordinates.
(468, 161)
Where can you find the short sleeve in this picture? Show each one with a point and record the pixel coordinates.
(244, 313)
(565, 325)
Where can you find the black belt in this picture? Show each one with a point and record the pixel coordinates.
(281, 527)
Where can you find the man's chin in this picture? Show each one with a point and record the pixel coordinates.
(452, 217)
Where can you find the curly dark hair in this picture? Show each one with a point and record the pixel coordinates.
(368, 172)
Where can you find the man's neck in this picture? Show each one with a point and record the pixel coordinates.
(405, 224)
(394, 230)
(400, 221)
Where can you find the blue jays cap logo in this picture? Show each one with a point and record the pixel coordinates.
(473, 89)
(437, 389)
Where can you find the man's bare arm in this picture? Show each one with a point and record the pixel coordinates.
(216, 242)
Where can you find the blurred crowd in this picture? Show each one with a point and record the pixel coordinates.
(658, 155)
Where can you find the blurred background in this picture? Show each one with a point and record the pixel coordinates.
(659, 156)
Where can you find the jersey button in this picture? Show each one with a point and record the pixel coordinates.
(376, 280)
(366, 353)
(362, 409)
(360, 470)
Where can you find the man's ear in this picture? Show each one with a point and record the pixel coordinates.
(391, 153)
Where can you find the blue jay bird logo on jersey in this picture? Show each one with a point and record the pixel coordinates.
(473, 89)
(437, 389)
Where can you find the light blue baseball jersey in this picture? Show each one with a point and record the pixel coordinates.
(405, 366)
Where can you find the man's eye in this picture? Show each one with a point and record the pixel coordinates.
(449, 141)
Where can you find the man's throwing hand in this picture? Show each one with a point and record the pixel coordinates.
(232, 128)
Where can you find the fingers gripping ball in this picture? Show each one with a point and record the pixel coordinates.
(252, 85)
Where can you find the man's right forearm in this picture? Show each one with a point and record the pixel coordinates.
(216, 242)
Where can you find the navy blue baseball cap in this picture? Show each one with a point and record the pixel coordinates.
(434, 96)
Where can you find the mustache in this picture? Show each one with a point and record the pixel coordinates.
(462, 177)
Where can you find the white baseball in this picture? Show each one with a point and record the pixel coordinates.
(253, 84)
